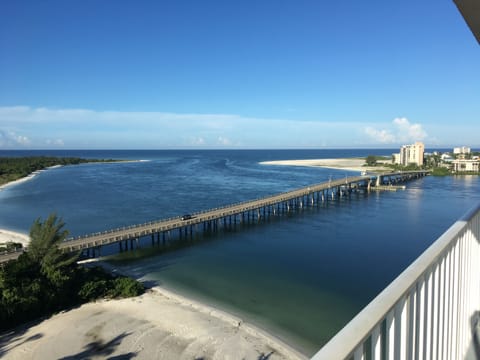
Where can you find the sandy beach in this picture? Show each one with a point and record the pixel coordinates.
(19, 181)
(12, 236)
(159, 324)
(349, 164)
(156, 325)
(27, 178)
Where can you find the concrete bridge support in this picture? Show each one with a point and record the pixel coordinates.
(253, 211)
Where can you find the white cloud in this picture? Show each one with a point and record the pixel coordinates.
(11, 139)
(56, 142)
(407, 131)
(82, 128)
(22, 140)
(198, 141)
(382, 136)
(24, 126)
(401, 131)
(223, 141)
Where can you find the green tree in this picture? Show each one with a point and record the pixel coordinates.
(371, 160)
(44, 279)
(56, 266)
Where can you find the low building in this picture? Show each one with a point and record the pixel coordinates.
(446, 158)
(464, 165)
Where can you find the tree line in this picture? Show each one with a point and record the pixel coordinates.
(14, 168)
(45, 280)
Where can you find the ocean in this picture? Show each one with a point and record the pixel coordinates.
(300, 277)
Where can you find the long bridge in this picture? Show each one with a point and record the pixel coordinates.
(213, 219)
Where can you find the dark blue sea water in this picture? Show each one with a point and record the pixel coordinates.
(301, 277)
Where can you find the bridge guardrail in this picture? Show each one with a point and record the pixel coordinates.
(175, 222)
(154, 222)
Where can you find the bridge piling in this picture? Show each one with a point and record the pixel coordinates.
(250, 211)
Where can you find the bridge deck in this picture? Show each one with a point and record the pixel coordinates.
(162, 226)
(198, 218)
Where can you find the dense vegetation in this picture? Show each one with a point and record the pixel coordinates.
(14, 168)
(45, 280)
(431, 162)
(441, 171)
(374, 160)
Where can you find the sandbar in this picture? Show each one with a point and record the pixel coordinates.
(348, 164)
(155, 325)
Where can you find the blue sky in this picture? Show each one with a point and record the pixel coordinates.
(236, 74)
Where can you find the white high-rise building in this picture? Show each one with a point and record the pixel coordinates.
(411, 154)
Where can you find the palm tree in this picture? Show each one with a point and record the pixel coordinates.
(56, 266)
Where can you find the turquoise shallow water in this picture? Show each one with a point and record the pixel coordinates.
(301, 277)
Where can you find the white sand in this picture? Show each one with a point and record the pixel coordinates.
(156, 325)
(11, 236)
(28, 177)
(19, 181)
(349, 164)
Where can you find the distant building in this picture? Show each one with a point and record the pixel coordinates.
(461, 150)
(462, 165)
(410, 154)
(396, 158)
(447, 158)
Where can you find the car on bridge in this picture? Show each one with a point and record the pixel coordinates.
(187, 217)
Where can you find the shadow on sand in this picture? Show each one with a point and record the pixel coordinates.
(99, 348)
(16, 334)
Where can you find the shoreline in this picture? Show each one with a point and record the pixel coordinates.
(21, 180)
(28, 177)
(348, 164)
(37, 172)
(158, 324)
(7, 236)
(209, 309)
(235, 321)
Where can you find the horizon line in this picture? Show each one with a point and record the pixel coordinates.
(232, 148)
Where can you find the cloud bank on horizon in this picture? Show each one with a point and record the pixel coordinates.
(403, 132)
(23, 127)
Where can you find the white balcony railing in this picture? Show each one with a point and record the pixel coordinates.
(430, 311)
